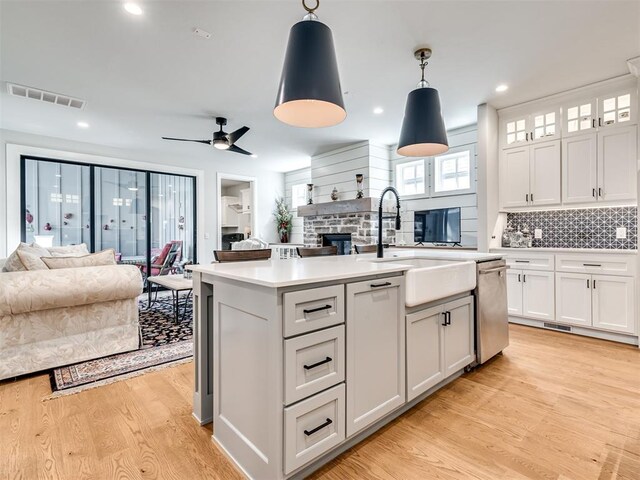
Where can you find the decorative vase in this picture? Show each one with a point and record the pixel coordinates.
(359, 185)
(309, 193)
(284, 237)
(334, 194)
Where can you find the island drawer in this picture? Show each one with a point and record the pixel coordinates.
(313, 427)
(313, 362)
(313, 309)
(624, 265)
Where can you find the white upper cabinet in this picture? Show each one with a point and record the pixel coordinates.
(617, 149)
(544, 179)
(579, 117)
(617, 109)
(579, 169)
(545, 125)
(515, 131)
(514, 177)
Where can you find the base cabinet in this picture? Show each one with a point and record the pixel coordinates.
(530, 293)
(375, 351)
(600, 301)
(440, 342)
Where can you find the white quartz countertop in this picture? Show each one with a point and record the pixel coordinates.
(589, 251)
(441, 254)
(299, 271)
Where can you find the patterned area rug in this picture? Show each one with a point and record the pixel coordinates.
(163, 344)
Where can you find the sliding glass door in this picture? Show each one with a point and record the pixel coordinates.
(57, 204)
(142, 215)
(121, 213)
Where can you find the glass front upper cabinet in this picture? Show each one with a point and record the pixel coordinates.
(618, 108)
(580, 117)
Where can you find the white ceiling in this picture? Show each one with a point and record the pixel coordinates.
(148, 76)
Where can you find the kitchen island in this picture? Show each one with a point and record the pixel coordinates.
(297, 360)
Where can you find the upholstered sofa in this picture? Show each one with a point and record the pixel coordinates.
(50, 318)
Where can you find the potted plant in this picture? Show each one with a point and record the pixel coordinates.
(283, 220)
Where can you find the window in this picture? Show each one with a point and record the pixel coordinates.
(452, 172)
(410, 178)
(298, 195)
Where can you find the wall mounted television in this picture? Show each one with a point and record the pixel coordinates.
(441, 225)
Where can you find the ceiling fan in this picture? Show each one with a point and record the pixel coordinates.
(221, 139)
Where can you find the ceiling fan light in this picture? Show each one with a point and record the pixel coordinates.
(423, 132)
(310, 95)
(221, 144)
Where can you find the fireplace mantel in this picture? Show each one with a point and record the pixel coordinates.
(360, 205)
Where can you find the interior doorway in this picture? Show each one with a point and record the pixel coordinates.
(236, 209)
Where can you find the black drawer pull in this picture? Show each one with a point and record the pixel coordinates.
(378, 285)
(311, 310)
(591, 265)
(522, 261)
(319, 427)
(317, 364)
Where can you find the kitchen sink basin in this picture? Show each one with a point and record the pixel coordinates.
(429, 279)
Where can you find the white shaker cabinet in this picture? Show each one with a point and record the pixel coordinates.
(573, 299)
(375, 351)
(530, 293)
(440, 342)
(544, 180)
(617, 168)
(579, 166)
(530, 175)
(613, 303)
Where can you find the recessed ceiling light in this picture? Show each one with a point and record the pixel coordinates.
(378, 110)
(253, 155)
(502, 88)
(83, 124)
(133, 8)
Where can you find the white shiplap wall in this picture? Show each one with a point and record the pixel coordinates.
(338, 169)
(292, 178)
(468, 203)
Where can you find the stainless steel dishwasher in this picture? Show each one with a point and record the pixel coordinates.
(492, 321)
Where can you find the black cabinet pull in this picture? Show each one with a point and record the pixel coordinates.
(594, 123)
(532, 198)
(599, 121)
(587, 283)
(378, 285)
(591, 265)
(319, 427)
(526, 136)
(593, 192)
(522, 261)
(444, 324)
(519, 277)
(594, 284)
(527, 198)
(317, 364)
(600, 192)
(448, 318)
(524, 278)
(311, 310)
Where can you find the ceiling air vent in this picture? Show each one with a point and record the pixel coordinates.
(44, 96)
(555, 326)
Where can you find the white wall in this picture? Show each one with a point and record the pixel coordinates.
(12, 144)
(338, 168)
(292, 178)
(468, 203)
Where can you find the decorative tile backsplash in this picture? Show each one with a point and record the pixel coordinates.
(581, 228)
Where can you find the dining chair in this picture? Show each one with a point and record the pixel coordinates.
(317, 251)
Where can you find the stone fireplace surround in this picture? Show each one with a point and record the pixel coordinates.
(357, 217)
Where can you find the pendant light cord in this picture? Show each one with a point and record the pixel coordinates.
(311, 10)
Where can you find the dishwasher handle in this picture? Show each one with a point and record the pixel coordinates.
(493, 270)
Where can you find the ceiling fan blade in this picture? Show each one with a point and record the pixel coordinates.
(208, 142)
(235, 149)
(234, 136)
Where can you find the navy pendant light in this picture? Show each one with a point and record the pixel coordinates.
(310, 94)
(423, 132)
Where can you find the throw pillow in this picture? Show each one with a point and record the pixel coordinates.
(68, 251)
(31, 260)
(13, 263)
(105, 257)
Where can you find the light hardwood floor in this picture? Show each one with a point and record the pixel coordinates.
(554, 406)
